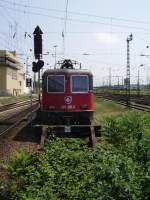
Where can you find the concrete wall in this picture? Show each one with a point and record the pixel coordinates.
(21, 80)
(11, 74)
(2, 78)
(12, 83)
(15, 81)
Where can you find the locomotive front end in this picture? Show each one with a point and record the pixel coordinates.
(67, 96)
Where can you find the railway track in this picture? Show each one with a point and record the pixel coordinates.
(19, 122)
(141, 103)
(15, 105)
(81, 131)
(11, 115)
(12, 123)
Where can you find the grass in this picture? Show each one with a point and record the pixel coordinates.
(104, 109)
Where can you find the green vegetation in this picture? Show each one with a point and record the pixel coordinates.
(106, 108)
(66, 169)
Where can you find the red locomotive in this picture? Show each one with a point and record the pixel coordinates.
(67, 95)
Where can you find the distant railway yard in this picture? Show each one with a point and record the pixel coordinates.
(138, 102)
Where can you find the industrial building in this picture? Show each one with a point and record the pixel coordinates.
(11, 74)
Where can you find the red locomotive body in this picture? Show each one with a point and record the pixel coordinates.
(67, 96)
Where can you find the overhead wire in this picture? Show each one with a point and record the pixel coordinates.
(4, 43)
(78, 20)
(27, 24)
(13, 29)
(29, 20)
(65, 26)
(79, 13)
(12, 16)
(83, 21)
(88, 33)
(10, 25)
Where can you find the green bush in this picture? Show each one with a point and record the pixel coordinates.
(130, 134)
(118, 169)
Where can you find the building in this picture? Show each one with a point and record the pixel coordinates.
(11, 73)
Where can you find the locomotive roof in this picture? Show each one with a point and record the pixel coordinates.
(67, 71)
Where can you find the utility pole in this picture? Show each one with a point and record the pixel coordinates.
(110, 77)
(138, 83)
(34, 83)
(129, 38)
(118, 82)
(147, 77)
(55, 46)
(27, 70)
(122, 83)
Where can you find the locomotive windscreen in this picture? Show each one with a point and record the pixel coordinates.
(80, 83)
(56, 83)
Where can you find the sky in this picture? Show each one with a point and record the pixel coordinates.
(95, 33)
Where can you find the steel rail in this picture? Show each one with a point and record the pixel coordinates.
(121, 101)
(15, 104)
(18, 122)
(5, 115)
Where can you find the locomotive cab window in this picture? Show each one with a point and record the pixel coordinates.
(80, 83)
(56, 83)
(91, 83)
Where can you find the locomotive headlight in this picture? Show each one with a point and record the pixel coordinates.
(51, 107)
(84, 107)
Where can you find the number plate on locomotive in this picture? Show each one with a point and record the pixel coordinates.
(67, 129)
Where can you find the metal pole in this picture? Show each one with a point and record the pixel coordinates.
(27, 73)
(147, 72)
(110, 77)
(118, 82)
(31, 106)
(55, 56)
(128, 72)
(39, 85)
(138, 83)
(128, 75)
(34, 83)
(122, 83)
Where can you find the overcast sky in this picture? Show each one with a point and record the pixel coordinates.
(95, 33)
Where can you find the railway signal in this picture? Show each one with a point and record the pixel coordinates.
(38, 53)
(37, 66)
(37, 50)
(28, 82)
(37, 42)
(29, 85)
